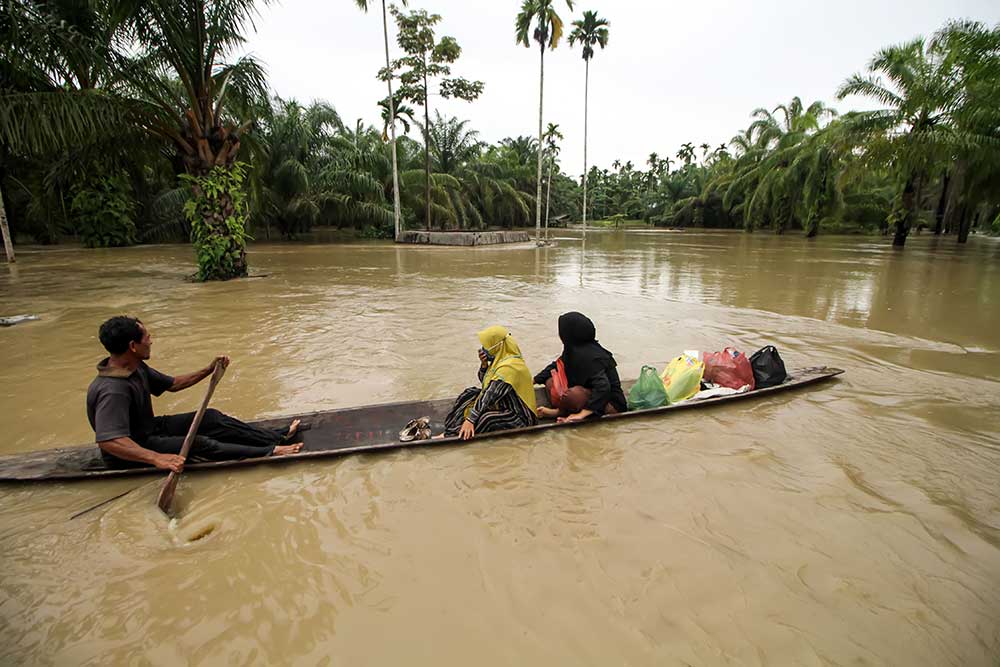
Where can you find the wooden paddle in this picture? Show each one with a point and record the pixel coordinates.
(112, 498)
(170, 485)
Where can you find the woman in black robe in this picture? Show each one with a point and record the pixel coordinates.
(591, 374)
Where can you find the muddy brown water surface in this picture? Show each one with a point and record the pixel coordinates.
(856, 522)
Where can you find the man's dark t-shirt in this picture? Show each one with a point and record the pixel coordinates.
(119, 402)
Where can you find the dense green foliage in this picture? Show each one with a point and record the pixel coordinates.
(122, 78)
(104, 209)
(313, 168)
(930, 158)
(124, 122)
(75, 101)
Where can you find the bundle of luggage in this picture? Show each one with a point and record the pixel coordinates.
(697, 375)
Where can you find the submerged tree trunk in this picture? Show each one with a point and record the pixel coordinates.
(538, 189)
(586, 93)
(952, 209)
(392, 130)
(217, 211)
(905, 216)
(812, 226)
(942, 204)
(965, 224)
(219, 216)
(8, 243)
(220, 248)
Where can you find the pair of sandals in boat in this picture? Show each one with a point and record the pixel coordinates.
(416, 429)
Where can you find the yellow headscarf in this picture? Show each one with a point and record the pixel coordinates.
(508, 365)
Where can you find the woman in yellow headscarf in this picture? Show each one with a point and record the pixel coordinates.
(506, 397)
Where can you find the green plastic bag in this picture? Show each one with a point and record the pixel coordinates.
(648, 391)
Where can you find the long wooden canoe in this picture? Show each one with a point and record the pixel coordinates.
(345, 431)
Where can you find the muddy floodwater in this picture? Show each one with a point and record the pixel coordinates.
(856, 522)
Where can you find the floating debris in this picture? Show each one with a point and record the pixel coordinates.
(17, 319)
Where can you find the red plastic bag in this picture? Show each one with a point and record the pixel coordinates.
(558, 385)
(729, 368)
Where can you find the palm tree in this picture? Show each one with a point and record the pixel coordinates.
(905, 133)
(780, 166)
(552, 137)
(312, 166)
(187, 38)
(743, 142)
(686, 153)
(353, 179)
(548, 31)
(363, 5)
(293, 139)
(176, 88)
(399, 110)
(521, 148)
(589, 31)
(796, 119)
(48, 72)
(453, 145)
(971, 52)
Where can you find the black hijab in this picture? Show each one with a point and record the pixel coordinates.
(582, 355)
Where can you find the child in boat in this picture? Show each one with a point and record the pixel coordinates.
(506, 397)
(591, 374)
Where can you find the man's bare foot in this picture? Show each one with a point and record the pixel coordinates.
(285, 450)
(292, 430)
(439, 436)
(547, 412)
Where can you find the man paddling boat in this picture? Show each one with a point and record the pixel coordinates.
(120, 410)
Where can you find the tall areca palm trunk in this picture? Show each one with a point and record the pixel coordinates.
(427, 154)
(590, 31)
(392, 128)
(586, 99)
(548, 196)
(538, 189)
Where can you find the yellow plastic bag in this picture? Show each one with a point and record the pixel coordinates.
(682, 378)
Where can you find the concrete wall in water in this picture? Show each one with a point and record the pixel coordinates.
(463, 238)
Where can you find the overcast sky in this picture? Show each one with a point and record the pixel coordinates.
(672, 72)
